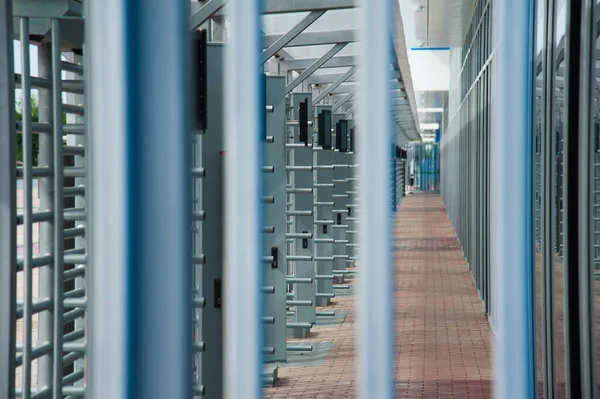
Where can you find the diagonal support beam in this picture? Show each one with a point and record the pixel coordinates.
(295, 6)
(335, 84)
(336, 62)
(284, 54)
(316, 65)
(292, 34)
(208, 10)
(315, 38)
(343, 101)
(351, 110)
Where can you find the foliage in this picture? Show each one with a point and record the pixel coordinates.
(35, 137)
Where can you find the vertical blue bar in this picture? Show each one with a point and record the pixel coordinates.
(243, 273)
(512, 224)
(139, 210)
(375, 300)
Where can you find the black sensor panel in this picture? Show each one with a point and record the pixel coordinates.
(324, 119)
(263, 103)
(303, 121)
(338, 135)
(342, 139)
(201, 79)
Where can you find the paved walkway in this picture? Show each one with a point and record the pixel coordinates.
(443, 340)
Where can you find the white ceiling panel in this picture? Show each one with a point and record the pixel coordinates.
(442, 23)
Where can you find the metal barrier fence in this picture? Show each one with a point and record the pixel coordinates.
(155, 248)
(51, 269)
(423, 168)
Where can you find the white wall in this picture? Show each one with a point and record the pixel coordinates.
(430, 69)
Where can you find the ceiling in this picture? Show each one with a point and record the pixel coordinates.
(441, 23)
(319, 37)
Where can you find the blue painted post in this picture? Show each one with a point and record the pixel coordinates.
(375, 305)
(243, 272)
(139, 322)
(511, 216)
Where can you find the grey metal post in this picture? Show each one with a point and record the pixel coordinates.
(511, 213)
(139, 201)
(198, 259)
(212, 200)
(8, 230)
(46, 230)
(324, 186)
(375, 345)
(243, 276)
(58, 209)
(582, 166)
(27, 211)
(340, 197)
(80, 202)
(303, 212)
(351, 203)
(275, 215)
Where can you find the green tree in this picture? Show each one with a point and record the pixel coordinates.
(35, 137)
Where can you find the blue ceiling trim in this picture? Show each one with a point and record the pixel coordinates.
(430, 48)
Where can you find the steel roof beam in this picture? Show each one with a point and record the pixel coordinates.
(316, 65)
(288, 6)
(351, 110)
(328, 78)
(204, 13)
(332, 77)
(314, 38)
(291, 6)
(198, 16)
(343, 101)
(303, 63)
(285, 39)
(395, 86)
(335, 84)
(345, 88)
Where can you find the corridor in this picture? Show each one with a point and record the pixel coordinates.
(443, 339)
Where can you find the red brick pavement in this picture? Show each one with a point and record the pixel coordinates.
(443, 339)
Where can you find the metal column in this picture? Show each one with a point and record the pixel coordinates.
(340, 198)
(581, 96)
(243, 250)
(275, 246)
(212, 198)
(139, 199)
(8, 230)
(324, 186)
(375, 345)
(351, 204)
(512, 219)
(303, 228)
